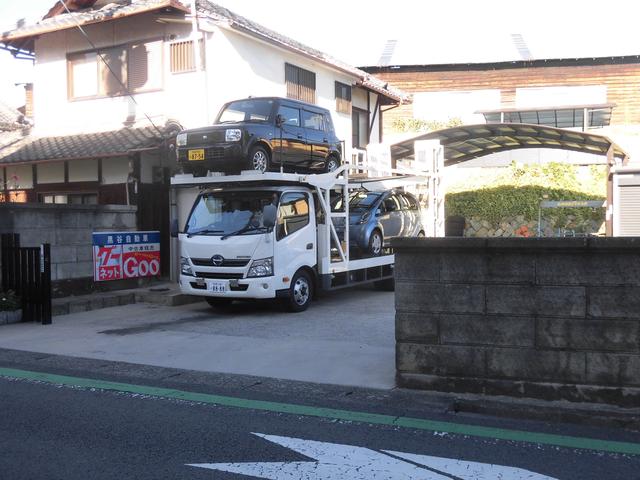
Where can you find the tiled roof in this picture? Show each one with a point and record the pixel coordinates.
(21, 39)
(89, 145)
(10, 118)
(226, 17)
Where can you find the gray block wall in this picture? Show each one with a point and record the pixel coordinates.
(68, 229)
(552, 318)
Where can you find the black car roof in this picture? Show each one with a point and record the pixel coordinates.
(281, 99)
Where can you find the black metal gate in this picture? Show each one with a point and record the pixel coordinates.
(27, 271)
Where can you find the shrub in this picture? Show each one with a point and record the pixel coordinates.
(9, 301)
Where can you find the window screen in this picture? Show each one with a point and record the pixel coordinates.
(301, 83)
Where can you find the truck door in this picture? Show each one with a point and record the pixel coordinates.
(295, 234)
(294, 149)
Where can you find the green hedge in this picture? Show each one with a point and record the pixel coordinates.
(520, 189)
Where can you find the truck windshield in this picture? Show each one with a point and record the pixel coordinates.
(246, 111)
(224, 213)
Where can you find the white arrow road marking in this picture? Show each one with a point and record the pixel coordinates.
(336, 461)
(470, 470)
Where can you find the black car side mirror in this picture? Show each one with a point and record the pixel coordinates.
(174, 228)
(279, 121)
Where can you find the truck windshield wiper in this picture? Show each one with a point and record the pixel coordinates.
(248, 227)
(203, 230)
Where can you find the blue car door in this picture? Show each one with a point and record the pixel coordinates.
(391, 218)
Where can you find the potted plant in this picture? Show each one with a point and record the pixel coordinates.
(10, 307)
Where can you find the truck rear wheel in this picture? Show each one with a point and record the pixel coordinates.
(300, 292)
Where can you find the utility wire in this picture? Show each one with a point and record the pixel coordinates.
(110, 69)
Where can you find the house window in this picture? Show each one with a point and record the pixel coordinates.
(343, 98)
(69, 198)
(109, 72)
(359, 128)
(301, 83)
(182, 56)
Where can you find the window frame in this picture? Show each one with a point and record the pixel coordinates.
(281, 232)
(293, 78)
(203, 56)
(98, 62)
(343, 102)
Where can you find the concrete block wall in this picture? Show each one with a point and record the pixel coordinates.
(552, 318)
(68, 229)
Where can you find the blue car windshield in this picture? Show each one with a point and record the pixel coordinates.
(362, 200)
(222, 213)
(246, 111)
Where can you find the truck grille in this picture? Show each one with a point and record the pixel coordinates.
(227, 262)
(220, 275)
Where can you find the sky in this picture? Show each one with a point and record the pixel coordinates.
(356, 30)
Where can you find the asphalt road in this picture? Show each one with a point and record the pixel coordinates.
(149, 425)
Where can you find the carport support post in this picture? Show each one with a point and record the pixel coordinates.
(173, 242)
(429, 158)
(608, 222)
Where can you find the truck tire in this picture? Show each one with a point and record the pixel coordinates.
(300, 292)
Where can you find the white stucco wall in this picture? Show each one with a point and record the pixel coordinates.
(83, 170)
(237, 66)
(115, 170)
(19, 177)
(50, 172)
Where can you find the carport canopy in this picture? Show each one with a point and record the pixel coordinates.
(472, 141)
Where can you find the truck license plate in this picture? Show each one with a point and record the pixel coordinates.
(218, 287)
(196, 154)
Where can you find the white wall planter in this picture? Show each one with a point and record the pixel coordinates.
(14, 316)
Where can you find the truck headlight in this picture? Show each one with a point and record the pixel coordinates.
(261, 268)
(232, 135)
(185, 267)
(181, 139)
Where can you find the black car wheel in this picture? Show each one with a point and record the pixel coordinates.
(300, 292)
(218, 302)
(375, 243)
(259, 159)
(331, 164)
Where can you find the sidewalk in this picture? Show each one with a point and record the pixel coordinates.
(166, 294)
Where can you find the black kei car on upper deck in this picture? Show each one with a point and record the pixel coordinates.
(262, 134)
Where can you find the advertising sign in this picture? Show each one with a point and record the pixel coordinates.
(119, 255)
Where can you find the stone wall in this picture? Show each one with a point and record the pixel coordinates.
(518, 226)
(68, 229)
(552, 318)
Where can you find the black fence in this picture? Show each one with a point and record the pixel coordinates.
(27, 271)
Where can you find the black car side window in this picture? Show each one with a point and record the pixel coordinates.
(312, 120)
(291, 115)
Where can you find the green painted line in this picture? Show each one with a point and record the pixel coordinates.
(334, 414)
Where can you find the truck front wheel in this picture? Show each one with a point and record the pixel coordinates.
(300, 292)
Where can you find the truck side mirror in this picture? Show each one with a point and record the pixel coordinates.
(269, 213)
(174, 228)
(279, 121)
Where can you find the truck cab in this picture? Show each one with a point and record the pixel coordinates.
(230, 248)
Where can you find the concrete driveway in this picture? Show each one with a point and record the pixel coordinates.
(345, 338)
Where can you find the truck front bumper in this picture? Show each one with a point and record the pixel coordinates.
(262, 287)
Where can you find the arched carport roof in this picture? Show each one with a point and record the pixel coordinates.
(472, 141)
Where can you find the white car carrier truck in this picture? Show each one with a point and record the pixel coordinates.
(272, 235)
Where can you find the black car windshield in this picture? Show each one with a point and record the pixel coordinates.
(246, 111)
(358, 201)
(222, 213)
